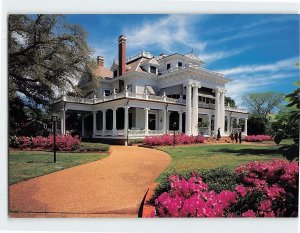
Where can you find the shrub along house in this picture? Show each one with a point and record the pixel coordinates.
(153, 95)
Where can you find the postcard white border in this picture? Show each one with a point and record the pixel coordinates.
(129, 225)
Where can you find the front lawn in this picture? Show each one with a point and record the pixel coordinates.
(204, 157)
(24, 165)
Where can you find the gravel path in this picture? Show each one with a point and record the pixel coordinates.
(110, 187)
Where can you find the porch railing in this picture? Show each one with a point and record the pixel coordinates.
(133, 95)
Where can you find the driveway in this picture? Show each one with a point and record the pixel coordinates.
(110, 187)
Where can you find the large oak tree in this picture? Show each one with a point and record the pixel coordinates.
(45, 55)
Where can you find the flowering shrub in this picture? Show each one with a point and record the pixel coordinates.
(63, 142)
(262, 190)
(258, 138)
(168, 140)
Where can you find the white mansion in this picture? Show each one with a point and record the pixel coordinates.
(152, 95)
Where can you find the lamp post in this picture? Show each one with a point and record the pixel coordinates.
(54, 124)
(174, 126)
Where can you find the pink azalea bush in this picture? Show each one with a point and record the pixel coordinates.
(63, 142)
(263, 190)
(258, 138)
(168, 140)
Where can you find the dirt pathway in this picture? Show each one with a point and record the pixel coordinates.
(111, 187)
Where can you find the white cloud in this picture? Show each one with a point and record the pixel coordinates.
(164, 33)
(253, 83)
(214, 56)
(287, 64)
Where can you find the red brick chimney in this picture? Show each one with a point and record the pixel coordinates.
(100, 61)
(122, 54)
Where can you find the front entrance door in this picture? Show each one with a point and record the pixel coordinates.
(152, 121)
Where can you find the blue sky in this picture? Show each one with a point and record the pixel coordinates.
(258, 52)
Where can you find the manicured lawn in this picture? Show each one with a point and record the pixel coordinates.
(24, 165)
(203, 157)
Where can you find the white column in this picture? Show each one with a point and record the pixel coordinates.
(146, 121)
(180, 122)
(188, 111)
(63, 122)
(164, 121)
(126, 108)
(114, 121)
(82, 125)
(167, 121)
(217, 111)
(195, 111)
(246, 127)
(222, 112)
(229, 124)
(94, 123)
(103, 122)
(209, 125)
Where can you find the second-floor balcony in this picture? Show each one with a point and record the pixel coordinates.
(132, 95)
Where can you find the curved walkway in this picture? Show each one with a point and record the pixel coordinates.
(110, 187)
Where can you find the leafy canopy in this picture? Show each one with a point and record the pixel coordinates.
(262, 104)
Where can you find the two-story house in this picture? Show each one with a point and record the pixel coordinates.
(153, 95)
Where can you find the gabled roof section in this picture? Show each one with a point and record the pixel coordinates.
(151, 61)
(193, 56)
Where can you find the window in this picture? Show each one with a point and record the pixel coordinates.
(107, 92)
(115, 73)
(153, 69)
(168, 66)
(179, 64)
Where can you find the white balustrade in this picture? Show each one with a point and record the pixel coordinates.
(155, 132)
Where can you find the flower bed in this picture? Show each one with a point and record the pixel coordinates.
(168, 140)
(63, 142)
(258, 138)
(262, 190)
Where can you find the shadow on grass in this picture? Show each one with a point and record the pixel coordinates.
(253, 151)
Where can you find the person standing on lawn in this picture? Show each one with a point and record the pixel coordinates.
(240, 136)
(232, 137)
(219, 134)
(236, 135)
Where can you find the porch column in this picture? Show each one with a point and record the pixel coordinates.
(188, 110)
(94, 123)
(126, 108)
(82, 125)
(164, 121)
(237, 121)
(195, 110)
(209, 124)
(217, 111)
(180, 122)
(246, 127)
(146, 121)
(63, 121)
(103, 122)
(222, 112)
(229, 124)
(114, 121)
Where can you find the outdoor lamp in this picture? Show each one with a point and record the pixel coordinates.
(54, 123)
(174, 126)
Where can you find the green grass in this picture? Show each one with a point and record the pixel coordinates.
(24, 165)
(204, 157)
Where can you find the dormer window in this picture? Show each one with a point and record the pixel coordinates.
(179, 64)
(153, 69)
(115, 73)
(168, 66)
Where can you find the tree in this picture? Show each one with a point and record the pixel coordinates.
(230, 101)
(262, 104)
(45, 55)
